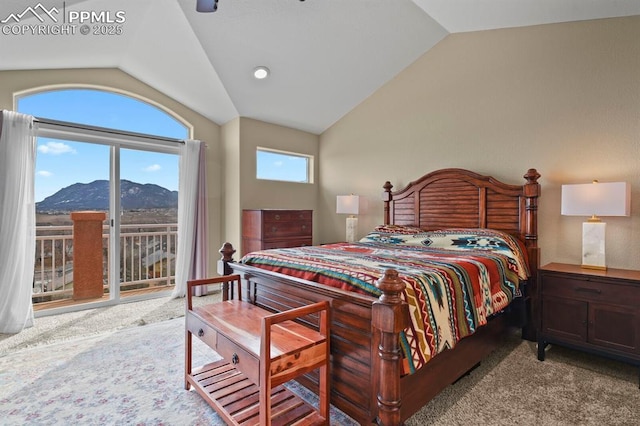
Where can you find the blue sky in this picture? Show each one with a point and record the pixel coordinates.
(63, 163)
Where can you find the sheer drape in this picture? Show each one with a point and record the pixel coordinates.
(187, 206)
(17, 220)
(201, 248)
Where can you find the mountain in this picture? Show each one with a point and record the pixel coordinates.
(95, 196)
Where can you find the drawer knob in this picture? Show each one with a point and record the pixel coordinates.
(235, 359)
(304, 227)
(277, 217)
(274, 229)
(200, 333)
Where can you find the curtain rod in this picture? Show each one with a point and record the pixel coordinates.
(56, 123)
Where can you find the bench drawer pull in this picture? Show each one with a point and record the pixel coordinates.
(200, 333)
(235, 359)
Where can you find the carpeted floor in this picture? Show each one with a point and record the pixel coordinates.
(56, 328)
(124, 365)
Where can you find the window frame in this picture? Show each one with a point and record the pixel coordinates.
(308, 157)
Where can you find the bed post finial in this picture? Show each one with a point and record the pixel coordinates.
(390, 315)
(227, 251)
(532, 176)
(387, 197)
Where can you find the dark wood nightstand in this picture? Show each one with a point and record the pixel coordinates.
(591, 310)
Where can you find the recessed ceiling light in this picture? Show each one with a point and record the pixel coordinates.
(261, 72)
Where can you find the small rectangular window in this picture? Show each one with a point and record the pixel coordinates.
(284, 166)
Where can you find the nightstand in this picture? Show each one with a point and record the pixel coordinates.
(590, 310)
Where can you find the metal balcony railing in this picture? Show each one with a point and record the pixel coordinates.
(147, 259)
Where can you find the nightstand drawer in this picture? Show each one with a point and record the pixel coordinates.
(590, 289)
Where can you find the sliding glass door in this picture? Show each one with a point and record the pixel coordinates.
(148, 220)
(118, 181)
(72, 179)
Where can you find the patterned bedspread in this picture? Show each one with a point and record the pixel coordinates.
(455, 279)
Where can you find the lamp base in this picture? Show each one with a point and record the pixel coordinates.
(593, 245)
(352, 229)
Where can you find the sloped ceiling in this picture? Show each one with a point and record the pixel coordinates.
(325, 56)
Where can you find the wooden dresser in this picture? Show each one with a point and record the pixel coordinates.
(594, 311)
(267, 229)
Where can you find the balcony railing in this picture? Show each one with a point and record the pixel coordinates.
(147, 259)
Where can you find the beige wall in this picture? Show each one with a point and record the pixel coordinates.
(562, 98)
(244, 135)
(12, 82)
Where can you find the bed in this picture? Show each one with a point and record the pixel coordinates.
(378, 373)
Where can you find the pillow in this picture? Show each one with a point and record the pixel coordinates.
(476, 239)
(391, 234)
(398, 229)
(459, 239)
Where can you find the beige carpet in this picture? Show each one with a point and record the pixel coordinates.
(513, 387)
(73, 325)
(510, 387)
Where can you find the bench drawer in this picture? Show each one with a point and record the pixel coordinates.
(202, 330)
(241, 359)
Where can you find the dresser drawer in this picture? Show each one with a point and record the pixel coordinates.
(287, 229)
(590, 289)
(286, 243)
(241, 359)
(283, 216)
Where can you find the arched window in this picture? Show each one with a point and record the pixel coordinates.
(78, 174)
(98, 107)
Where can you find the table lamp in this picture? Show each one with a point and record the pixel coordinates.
(594, 200)
(349, 204)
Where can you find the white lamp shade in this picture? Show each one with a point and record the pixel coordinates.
(596, 199)
(348, 204)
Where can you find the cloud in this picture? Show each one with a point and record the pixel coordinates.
(153, 168)
(44, 173)
(278, 163)
(56, 148)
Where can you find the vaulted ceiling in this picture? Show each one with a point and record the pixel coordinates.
(324, 56)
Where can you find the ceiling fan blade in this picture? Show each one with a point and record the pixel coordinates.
(207, 5)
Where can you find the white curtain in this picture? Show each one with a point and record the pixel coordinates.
(17, 220)
(187, 206)
(199, 267)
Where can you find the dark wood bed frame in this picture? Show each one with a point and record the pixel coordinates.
(366, 380)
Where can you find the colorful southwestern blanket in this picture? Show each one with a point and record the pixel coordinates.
(455, 278)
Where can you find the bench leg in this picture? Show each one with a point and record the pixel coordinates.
(187, 358)
(323, 391)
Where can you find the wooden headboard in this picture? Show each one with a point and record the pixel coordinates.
(457, 198)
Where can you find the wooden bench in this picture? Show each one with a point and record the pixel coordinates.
(261, 351)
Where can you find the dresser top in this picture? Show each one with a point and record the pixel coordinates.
(625, 274)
